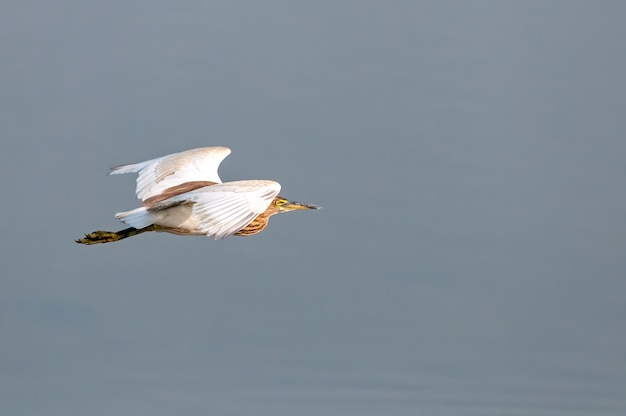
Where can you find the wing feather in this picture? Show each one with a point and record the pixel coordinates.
(223, 209)
(159, 174)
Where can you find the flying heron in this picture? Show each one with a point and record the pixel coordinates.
(182, 194)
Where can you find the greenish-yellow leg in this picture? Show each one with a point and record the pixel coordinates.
(98, 237)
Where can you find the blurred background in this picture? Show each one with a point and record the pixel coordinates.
(469, 258)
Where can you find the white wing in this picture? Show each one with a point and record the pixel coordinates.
(223, 209)
(156, 175)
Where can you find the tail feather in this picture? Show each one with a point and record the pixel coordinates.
(137, 218)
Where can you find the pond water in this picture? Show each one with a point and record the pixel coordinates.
(468, 260)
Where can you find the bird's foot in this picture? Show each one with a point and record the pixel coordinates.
(98, 237)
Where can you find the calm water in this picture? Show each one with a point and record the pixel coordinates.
(468, 260)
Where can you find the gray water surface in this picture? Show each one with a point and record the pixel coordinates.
(469, 259)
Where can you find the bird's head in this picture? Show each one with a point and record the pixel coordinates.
(283, 205)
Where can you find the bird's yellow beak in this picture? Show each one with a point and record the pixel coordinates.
(294, 205)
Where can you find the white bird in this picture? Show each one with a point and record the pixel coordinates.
(182, 194)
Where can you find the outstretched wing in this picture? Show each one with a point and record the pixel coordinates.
(223, 209)
(156, 175)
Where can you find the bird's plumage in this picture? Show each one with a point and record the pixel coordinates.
(217, 211)
(183, 194)
(157, 175)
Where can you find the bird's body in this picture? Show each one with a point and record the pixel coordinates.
(183, 194)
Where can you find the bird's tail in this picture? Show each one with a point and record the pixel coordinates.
(98, 237)
(137, 218)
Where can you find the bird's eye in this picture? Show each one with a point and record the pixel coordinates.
(280, 202)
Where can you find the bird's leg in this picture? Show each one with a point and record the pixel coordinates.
(98, 237)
